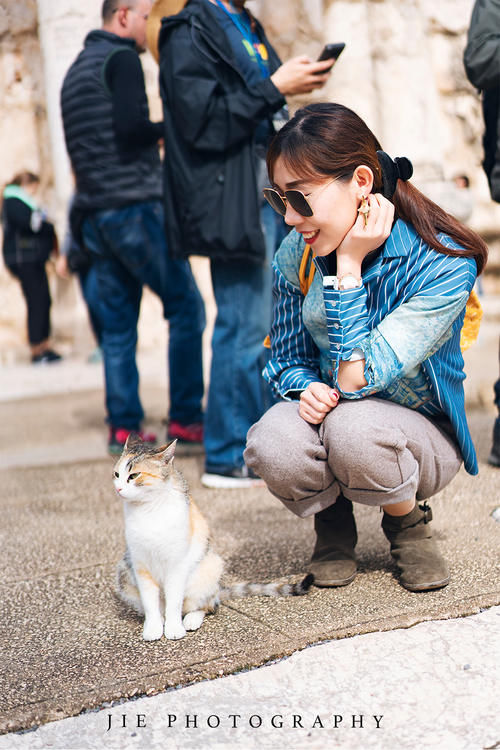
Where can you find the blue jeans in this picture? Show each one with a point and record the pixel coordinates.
(238, 394)
(90, 293)
(129, 250)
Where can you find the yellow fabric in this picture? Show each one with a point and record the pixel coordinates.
(473, 310)
(472, 321)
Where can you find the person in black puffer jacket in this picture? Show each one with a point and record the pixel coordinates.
(28, 241)
(118, 215)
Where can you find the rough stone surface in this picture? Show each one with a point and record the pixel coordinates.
(409, 55)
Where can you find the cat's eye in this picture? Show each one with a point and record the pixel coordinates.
(116, 474)
(133, 476)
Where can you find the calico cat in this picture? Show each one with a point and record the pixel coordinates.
(169, 564)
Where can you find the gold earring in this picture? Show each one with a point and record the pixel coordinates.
(364, 210)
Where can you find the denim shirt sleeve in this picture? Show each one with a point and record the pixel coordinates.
(405, 338)
(346, 318)
(295, 356)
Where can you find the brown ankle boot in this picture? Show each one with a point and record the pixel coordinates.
(415, 551)
(333, 562)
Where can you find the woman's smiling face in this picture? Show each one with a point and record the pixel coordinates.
(334, 204)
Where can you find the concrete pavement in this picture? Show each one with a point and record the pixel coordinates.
(434, 685)
(67, 646)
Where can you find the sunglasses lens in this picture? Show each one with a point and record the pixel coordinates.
(298, 202)
(275, 200)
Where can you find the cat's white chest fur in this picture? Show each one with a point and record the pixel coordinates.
(157, 531)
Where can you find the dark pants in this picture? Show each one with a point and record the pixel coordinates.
(90, 293)
(35, 286)
(497, 386)
(129, 250)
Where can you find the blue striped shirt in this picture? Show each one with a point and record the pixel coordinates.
(405, 321)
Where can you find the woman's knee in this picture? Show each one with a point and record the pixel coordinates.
(266, 437)
(366, 450)
(278, 442)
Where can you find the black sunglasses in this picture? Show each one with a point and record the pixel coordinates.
(295, 198)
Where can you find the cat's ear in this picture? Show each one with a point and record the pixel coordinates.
(132, 440)
(167, 452)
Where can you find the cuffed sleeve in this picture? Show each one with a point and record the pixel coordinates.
(405, 338)
(347, 320)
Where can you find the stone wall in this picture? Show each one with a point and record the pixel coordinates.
(401, 70)
(24, 135)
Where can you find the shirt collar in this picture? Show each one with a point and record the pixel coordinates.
(400, 240)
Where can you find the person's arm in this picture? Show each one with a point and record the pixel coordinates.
(294, 362)
(482, 53)
(125, 80)
(295, 359)
(210, 117)
(407, 336)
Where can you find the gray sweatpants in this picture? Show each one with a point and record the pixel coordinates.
(373, 451)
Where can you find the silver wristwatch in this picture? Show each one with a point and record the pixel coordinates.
(347, 281)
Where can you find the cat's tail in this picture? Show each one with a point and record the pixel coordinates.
(126, 587)
(238, 590)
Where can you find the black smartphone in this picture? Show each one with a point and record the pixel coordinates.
(331, 51)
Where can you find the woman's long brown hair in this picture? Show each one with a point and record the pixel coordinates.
(331, 140)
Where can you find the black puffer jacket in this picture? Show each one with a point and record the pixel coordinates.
(107, 175)
(27, 236)
(210, 118)
(482, 65)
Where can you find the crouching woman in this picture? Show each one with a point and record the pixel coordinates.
(368, 360)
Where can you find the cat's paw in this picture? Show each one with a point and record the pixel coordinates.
(153, 630)
(193, 620)
(174, 631)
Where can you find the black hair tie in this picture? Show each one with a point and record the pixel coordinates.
(393, 170)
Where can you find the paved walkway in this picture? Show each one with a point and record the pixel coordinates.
(66, 646)
(433, 686)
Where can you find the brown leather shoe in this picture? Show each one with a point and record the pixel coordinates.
(416, 554)
(333, 562)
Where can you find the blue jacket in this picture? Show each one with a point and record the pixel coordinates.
(405, 321)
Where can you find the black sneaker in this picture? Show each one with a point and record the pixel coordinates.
(47, 357)
(494, 457)
(231, 478)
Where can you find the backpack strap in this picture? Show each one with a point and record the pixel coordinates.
(307, 270)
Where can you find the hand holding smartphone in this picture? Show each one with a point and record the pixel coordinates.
(330, 52)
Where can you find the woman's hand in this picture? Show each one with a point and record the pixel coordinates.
(316, 401)
(361, 240)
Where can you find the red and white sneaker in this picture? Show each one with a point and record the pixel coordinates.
(189, 437)
(118, 437)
